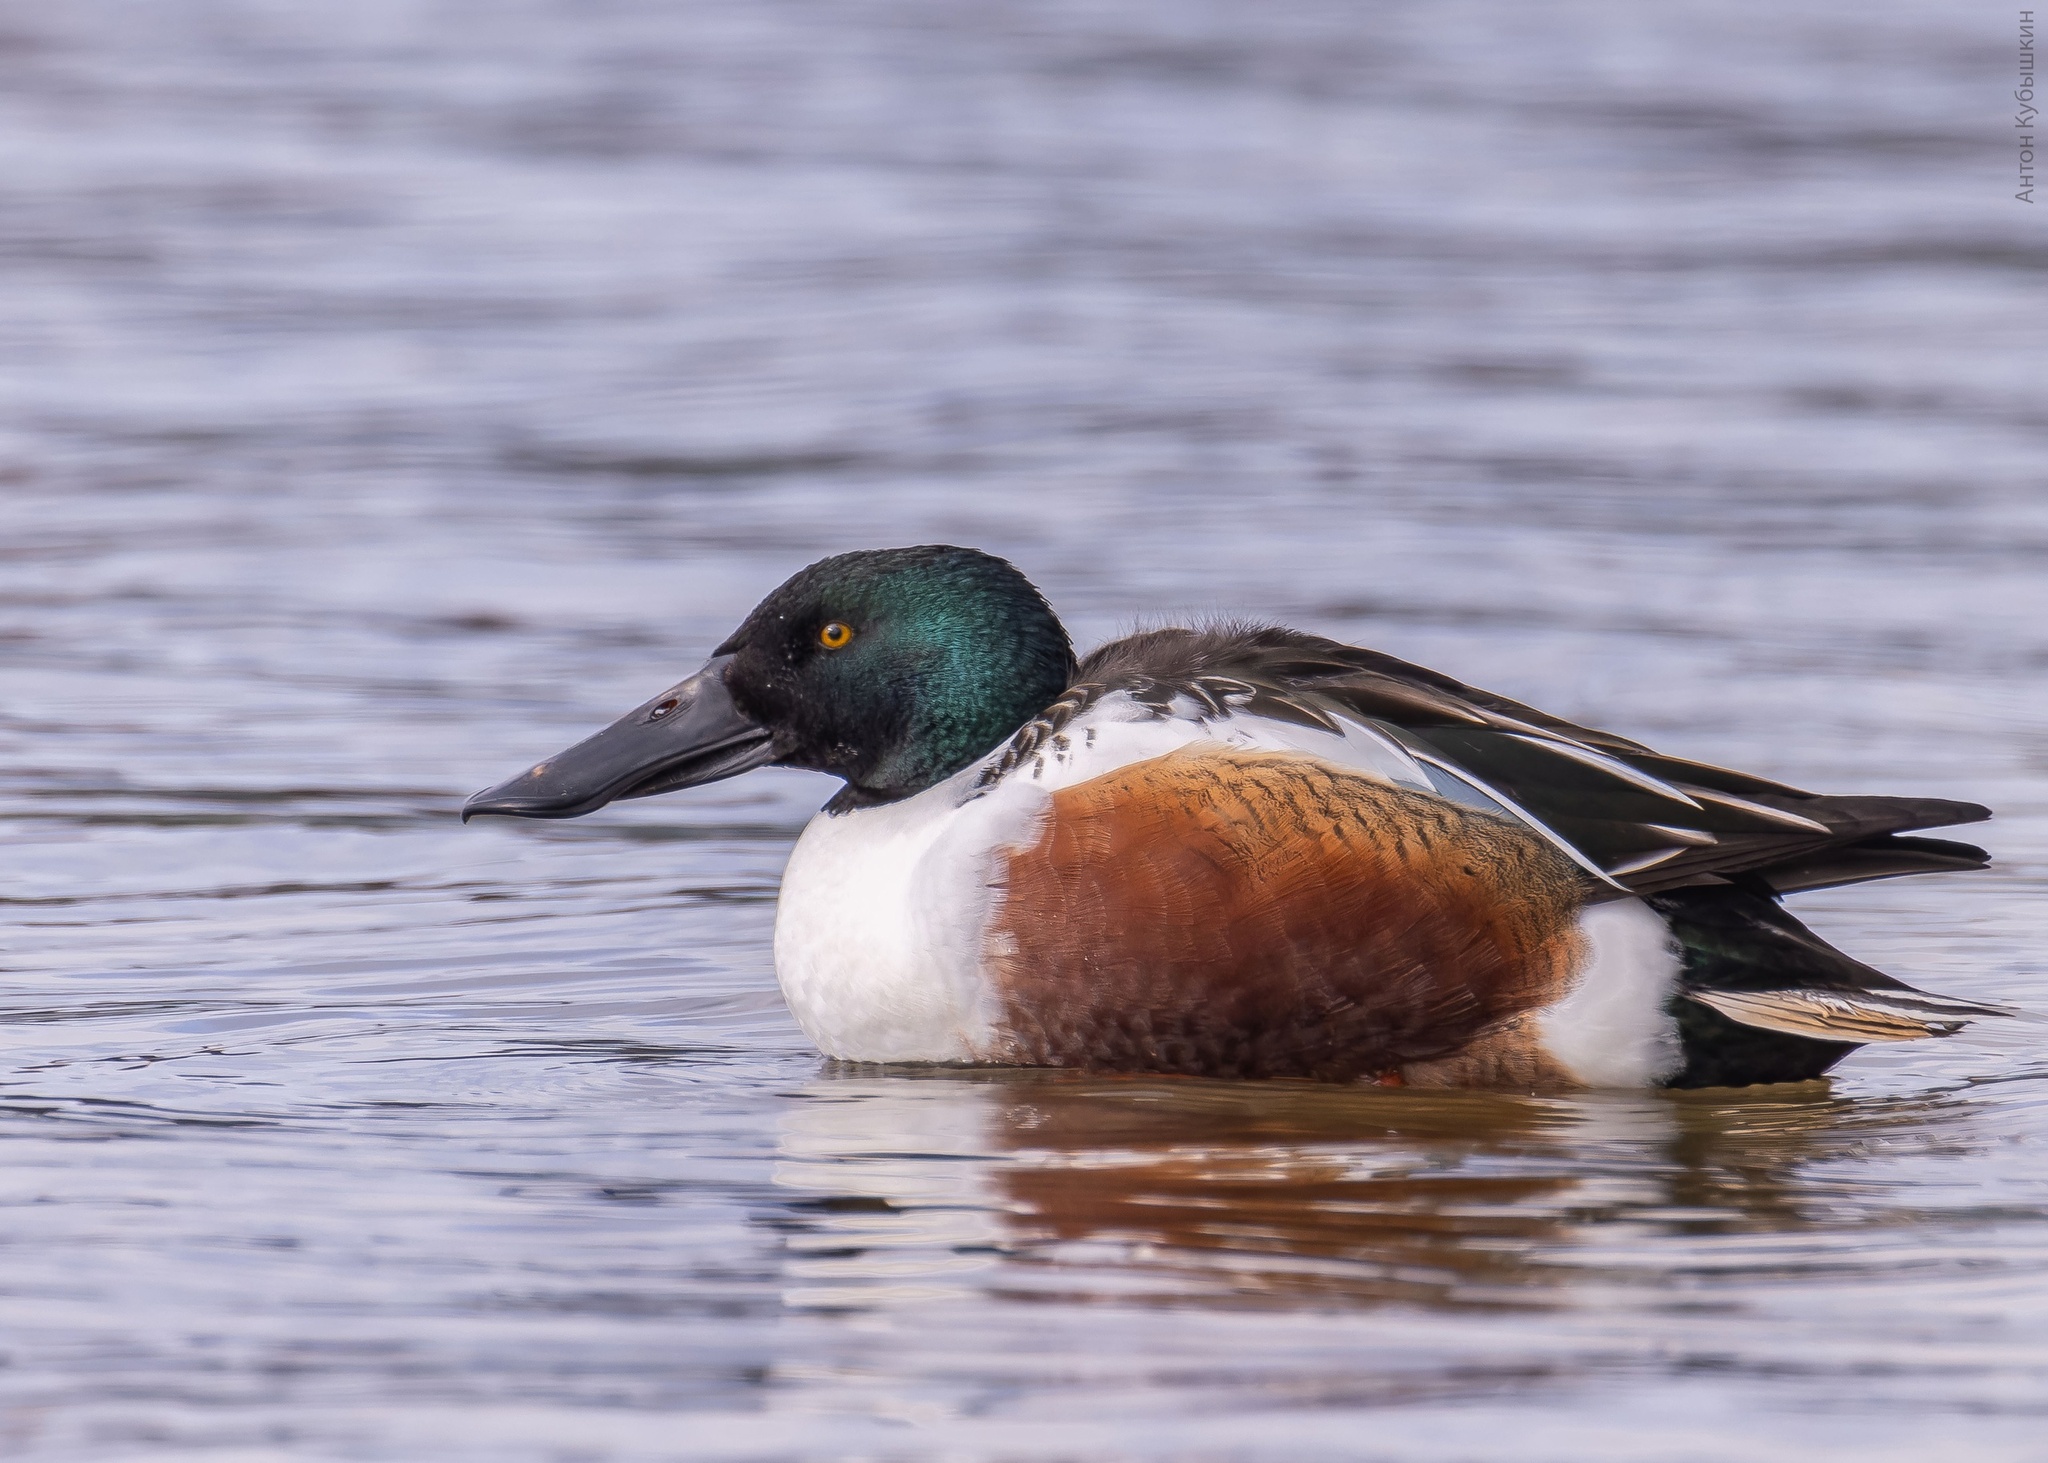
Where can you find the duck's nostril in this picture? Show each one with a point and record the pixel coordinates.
(664, 708)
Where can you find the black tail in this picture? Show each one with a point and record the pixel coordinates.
(1764, 999)
(1884, 857)
(1866, 842)
(1844, 839)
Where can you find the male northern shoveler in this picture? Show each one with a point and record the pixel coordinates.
(1248, 851)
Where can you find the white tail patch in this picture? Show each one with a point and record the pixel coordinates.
(1612, 1029)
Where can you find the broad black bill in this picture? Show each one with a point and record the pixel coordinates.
(689, 734)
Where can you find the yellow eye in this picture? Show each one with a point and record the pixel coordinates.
(835, 636)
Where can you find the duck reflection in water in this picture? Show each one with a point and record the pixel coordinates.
(1183, 1191)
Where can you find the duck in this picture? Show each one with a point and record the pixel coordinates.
(1238, 850)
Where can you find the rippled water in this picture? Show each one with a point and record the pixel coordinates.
(391, 393)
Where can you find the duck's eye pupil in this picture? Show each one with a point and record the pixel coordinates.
(664, 709)
(835, 635)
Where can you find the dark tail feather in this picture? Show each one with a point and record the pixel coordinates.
(1865, 842)
(1884, 857)
(1853, 816)
(1764, 999)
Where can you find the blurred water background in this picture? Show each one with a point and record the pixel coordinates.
(392, 393)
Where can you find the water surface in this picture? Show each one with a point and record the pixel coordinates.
(391, 394)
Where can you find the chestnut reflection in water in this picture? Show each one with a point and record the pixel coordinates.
(1192, 1192)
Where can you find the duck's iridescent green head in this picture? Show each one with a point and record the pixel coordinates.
(891, 668)
(895, 668)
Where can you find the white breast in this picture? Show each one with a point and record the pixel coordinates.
(878, 933)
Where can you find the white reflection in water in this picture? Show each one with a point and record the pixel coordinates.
(913, 1215)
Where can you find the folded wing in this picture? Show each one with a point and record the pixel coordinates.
(1650, 822)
